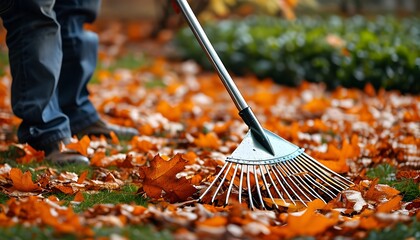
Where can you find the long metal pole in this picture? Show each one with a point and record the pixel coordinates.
(212, 55)
(244, 110)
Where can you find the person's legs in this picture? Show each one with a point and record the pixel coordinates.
(80, 48)
(34, 42)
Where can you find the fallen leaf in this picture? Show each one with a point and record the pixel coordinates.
(23, 181)
(82, 177)
(114, 138)
(79, 197)
(310, 223)
(80, 146)
(209, 140)
(31, 155)
(292, 207)
(390, 205)
(161, 181)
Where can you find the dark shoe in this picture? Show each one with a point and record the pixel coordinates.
(66, 158)
(101, 128)
(54, 155)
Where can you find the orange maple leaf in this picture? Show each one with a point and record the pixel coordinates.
(161, 181)
(170, 111)
(336, 159)
(310, 223)
(142, 145)
(209, 140)
(31, 155)
(23, 181)
(80, 146)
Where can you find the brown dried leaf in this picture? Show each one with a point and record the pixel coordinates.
(161, 180)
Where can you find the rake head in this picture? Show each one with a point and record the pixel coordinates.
(288, 176)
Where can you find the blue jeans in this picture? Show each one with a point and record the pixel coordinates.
(52, 59)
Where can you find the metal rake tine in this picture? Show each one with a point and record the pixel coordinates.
(214, 181)
(294, 192)
(231, 184)
(343, 179)
(308, 188)
(221, 182)
(293, 174)
(319, 186)
(266, 185)
(274, 184)
(258, 187)
(249, 187)
(322, 174)
(281, 184)
(240, 183)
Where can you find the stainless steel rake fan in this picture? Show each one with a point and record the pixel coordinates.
(279, 169)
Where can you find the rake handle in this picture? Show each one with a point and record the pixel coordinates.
(244, 110)
(212, 55)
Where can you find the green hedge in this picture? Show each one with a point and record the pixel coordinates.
(383, 51)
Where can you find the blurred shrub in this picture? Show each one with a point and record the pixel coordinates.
(348, 52)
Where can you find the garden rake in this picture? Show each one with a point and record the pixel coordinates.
(280, 172)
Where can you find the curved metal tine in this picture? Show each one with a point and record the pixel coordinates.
(294, 192)
(214, 181)
(281, 184)
(320, 174)
(295, 179)
(240, 183)
(274, 184)
(311, 179)
(221, 182)
(320, 171)
(267, 187)
(343, 179)
(231, 184)
(249, 187)
(258, 187)
(304, 180)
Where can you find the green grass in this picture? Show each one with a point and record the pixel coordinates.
(129, 61)
(3, 198)
(400, 231)
(4, 61)
(134, 232)
(37, 233)
(127, 195)
(155, 83)
(386, 175)
(384, 172)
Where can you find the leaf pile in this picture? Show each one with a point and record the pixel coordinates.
(188, 127)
